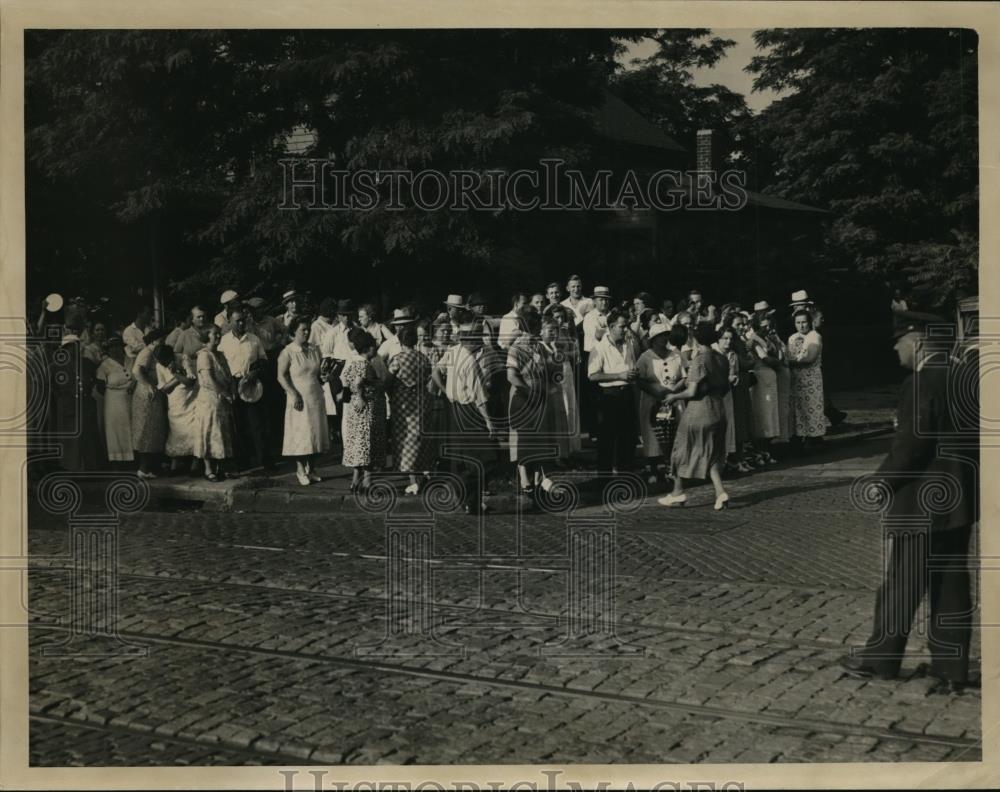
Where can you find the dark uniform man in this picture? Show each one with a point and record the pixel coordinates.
(931, 479)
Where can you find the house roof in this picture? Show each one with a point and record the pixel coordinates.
(774, 202)
(616, 120)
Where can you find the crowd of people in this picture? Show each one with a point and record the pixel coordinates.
(702, 391)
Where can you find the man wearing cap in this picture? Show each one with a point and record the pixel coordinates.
(929, 488)
(290, 299)
(246, 358)
(457, 312)
(401, 317)
(476, 303)
(227, 300)
(460, 376)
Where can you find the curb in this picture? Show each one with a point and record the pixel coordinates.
(263, 495)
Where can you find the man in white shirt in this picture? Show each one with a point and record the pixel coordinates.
(391, 346)
(612, 367)
(134, 335)
(247, 359)
(576, 302)
(227, 300)
(595, 323)
(460, 376)
(510, 322)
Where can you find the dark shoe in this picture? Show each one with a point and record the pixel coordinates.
(859, 669)
(837, 417)
(946, 687)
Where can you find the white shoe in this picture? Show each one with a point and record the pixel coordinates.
(412, 489)
(303, 478)
(673, 500)
(546, 484)
(722, 502)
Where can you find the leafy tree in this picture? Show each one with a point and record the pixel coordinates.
(881, 128)
(661, 87)
(181, 132)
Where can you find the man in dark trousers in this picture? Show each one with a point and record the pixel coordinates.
(931, 481)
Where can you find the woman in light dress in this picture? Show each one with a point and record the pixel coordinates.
(306, 434)
(149, 407)
(661, 372)
(700, 446)
(215, 439)
(116, 384)
(181, 388)
(805, 358)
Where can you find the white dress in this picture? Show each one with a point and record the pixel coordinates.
(665, 371)
(117, 409)
(305, 430)
(182, 415)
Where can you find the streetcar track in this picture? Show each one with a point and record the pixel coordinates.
(487, 562)
(654, 629)
(208, 746)
(702, 710)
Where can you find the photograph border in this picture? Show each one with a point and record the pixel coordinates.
(18, 15)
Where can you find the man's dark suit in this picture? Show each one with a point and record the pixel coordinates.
(932, 475)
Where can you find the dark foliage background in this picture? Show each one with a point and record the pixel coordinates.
(154, 154)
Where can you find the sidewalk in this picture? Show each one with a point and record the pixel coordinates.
(869, 414)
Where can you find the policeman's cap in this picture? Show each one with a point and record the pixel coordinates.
(915, 322)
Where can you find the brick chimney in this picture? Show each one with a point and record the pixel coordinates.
(706, 150)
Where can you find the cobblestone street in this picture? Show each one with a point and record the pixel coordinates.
(282, 638)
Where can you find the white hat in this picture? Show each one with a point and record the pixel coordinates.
(255, 302)
(762, 305)
(251, 393)
(227, 296)
(402, 316)
(291, 294)
(657, 329)
(602, 291)
(455, 301)
(801, 296)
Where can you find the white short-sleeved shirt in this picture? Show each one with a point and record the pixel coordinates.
(510, 328)
(579, 310)
(607, 358)
(335, 343)
(463, 382)
(241, 352)
(591, 322)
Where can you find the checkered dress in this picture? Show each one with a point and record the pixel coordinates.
(408, 405)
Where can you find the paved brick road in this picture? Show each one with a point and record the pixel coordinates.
(279, 639)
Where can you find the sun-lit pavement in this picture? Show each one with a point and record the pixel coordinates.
(289, 638)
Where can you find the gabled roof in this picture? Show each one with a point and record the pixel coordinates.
(619, 122)
(774, 202)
